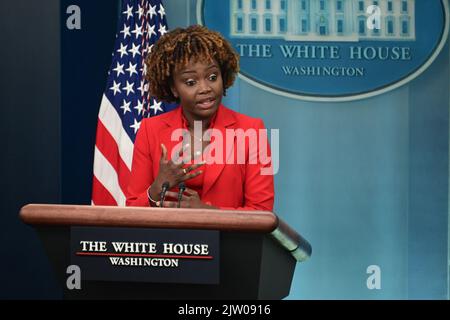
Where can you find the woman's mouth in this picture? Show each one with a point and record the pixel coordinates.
(206, 103)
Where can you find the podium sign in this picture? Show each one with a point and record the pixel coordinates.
(146, 254)
(168, 253)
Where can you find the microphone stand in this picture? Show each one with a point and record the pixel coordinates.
(164, 188)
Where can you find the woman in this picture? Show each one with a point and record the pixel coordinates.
(195, 66)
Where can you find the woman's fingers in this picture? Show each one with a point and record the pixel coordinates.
(170, 204)
(189, 176)
(195, 166)
(185, 171)
(190, 199)
(174, 167)
(190, 192)
(174, 195)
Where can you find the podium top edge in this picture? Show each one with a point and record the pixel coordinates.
(148, 217)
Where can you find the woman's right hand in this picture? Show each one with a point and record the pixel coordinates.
(172, 173)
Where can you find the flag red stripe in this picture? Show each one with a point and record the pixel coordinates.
(100, 195)
(108, 147)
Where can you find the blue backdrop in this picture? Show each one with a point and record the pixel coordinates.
(366, 182)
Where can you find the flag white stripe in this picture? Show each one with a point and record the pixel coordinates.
(112, 122)
(105, 173)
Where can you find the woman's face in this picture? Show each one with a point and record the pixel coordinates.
(199, 87)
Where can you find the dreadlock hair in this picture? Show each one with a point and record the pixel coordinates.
(176, 48)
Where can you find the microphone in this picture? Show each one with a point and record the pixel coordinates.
(164, 188)
(181, 188)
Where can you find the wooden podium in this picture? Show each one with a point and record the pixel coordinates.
(258, 251)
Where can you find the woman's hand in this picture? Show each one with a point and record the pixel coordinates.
(190, 199)
(172, 173)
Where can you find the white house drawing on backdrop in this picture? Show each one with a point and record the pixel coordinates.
(321, 20)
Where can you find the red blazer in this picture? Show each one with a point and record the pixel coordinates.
(228, 186)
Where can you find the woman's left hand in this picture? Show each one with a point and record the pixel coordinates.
(190, 199)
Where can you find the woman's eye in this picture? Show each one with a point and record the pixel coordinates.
(190, 83)
(213, 77)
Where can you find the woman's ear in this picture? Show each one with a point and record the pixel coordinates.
(174, 91)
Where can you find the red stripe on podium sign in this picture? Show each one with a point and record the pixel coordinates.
(107, 254)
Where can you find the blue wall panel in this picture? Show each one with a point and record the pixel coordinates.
(367, 183)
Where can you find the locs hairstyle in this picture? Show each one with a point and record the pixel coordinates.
(176, 48)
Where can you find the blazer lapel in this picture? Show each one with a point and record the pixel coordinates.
(173, 122)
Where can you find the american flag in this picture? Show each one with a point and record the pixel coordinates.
(126, 101)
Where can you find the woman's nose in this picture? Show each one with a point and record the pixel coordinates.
(204, 87)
